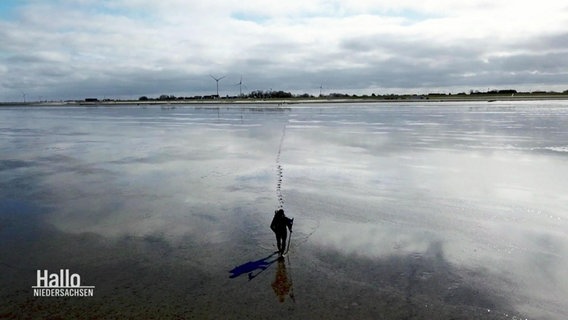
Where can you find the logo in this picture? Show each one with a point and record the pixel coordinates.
(62, 284)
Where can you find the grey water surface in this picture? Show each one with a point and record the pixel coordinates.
(402, 211)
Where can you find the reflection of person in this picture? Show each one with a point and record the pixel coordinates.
(279, 224)
(281, 284)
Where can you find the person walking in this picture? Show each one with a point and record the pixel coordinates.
(280, 224)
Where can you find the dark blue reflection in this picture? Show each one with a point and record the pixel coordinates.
(252, 266)
(19, 220)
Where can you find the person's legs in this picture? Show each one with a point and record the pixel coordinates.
(278, 241)
(284, 236)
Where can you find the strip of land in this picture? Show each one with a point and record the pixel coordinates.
(488, 97)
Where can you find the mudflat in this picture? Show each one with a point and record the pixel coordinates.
(436, 210)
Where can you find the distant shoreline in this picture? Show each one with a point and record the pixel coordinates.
(291, 101)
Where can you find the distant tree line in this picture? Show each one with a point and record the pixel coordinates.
(273, 94)
(269, 95)
(257, 94)
(507, 91)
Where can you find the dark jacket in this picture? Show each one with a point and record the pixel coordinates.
(280, 222)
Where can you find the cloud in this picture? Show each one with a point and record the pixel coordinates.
(68, 49)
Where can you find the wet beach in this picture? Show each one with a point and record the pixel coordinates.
(402, 211)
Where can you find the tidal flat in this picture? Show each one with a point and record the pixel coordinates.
(402, 211)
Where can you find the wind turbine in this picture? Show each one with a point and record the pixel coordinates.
(24, 95)
(217, 80)
(240, 84)
(321, 87)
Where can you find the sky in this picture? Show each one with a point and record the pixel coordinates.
(73, 49)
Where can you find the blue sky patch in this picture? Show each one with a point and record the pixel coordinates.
(103, 9)
(412, 15)
(8, 8)
(244, 16)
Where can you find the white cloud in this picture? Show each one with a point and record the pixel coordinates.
(63, 49)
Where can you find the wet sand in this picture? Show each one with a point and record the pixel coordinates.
(400, 212)
(150, 278)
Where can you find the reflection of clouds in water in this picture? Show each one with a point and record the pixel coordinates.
(183, 181)
(432, 175)
(161, 201)
(529, 255)
(371, 240)
(500, 210)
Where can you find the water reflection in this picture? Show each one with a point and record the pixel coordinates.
(282, 284)
(419, 285)
(390, 199)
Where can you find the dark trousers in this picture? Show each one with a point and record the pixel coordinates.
(281, 240)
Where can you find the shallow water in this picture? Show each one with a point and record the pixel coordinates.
(401, 211)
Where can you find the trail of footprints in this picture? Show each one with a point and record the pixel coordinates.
(279, 171)
(278, 187)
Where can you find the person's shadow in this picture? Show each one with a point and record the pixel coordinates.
(251, 267)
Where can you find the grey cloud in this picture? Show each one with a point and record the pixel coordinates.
(36, 57)
(543, 43)
(116, 56)
(420, 63)
(25, 58)
(544, 63)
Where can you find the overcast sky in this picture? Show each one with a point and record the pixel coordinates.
(65, 49)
